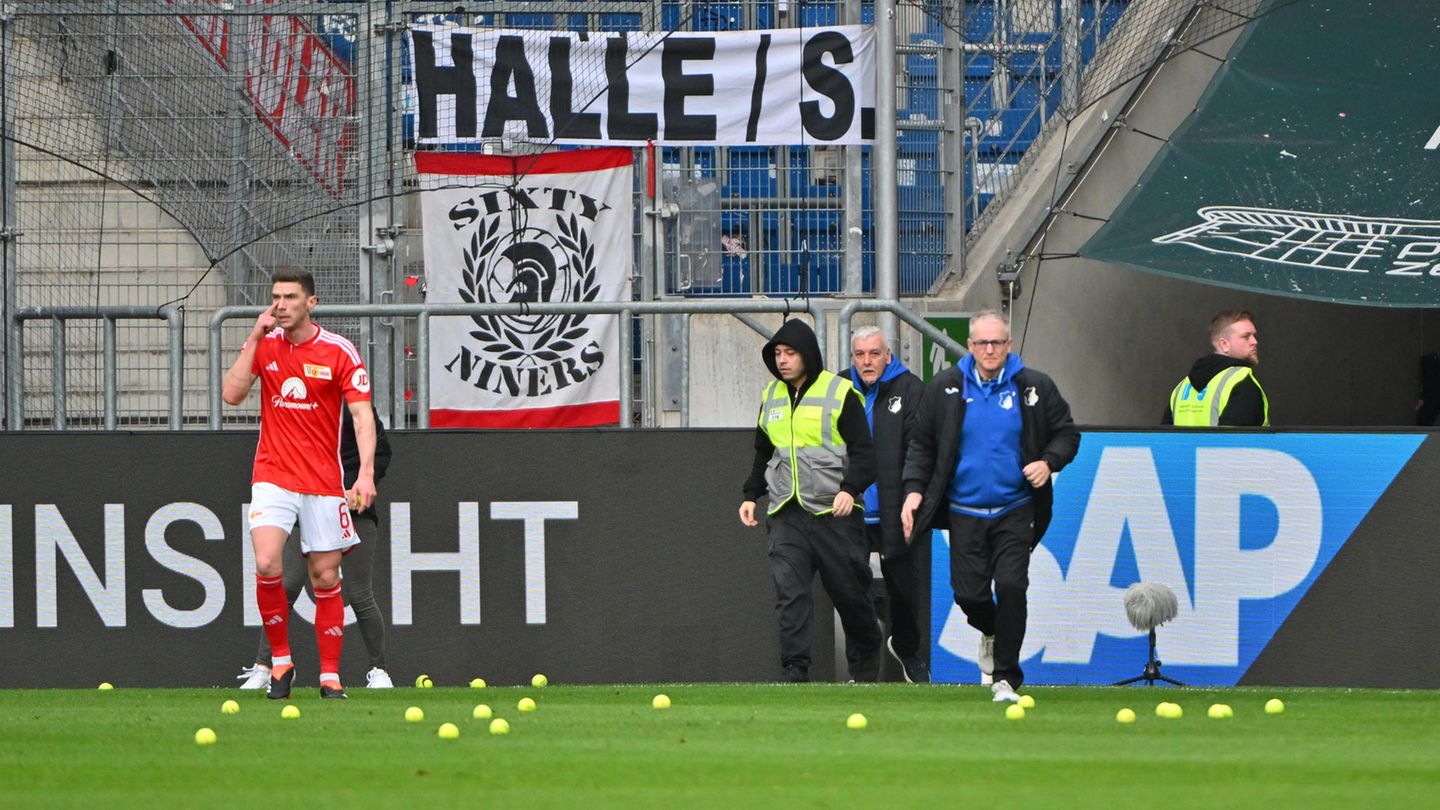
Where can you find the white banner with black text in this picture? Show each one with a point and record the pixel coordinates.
(550, 228)
(782, 86)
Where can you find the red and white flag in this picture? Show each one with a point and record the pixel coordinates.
(555, 227)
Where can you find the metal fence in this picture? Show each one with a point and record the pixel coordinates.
(173, 153)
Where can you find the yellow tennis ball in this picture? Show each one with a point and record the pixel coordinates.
(499, 726)
(205, 736)
(661, 702)
(414, 714)
(1027, 702)
(539, 680)
(1125, 716)
(106, 686)
(422, 681)
(229, 707)
(1220, 711)
(856, 721)
(448, 731)
(477, 683)
(290, 712)
(526, 705)
(1014, 712)
(481, 712)
(1274, 706)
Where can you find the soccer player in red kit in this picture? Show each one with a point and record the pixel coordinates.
(305, 372)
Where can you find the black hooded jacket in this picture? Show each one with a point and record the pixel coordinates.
(860, 451)
(1246, 407)
(350, 454)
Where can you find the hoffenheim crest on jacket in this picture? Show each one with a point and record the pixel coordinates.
(552, 228)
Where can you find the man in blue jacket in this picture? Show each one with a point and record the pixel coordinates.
(989, 435)
(892, 395)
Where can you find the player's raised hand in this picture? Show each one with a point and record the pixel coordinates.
(266, 321)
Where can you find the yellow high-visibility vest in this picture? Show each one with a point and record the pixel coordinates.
(809, 460)
(1194, 407)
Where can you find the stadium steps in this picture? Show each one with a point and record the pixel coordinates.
(98, 245)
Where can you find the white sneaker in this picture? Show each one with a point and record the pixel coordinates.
(255, 676)
(378, 678)
(1002, 693)
(986, 658)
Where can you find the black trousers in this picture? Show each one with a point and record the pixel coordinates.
(802, 544)
(994, 550)
(907, 590)
(355, 587)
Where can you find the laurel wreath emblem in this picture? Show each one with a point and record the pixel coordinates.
(506, 343)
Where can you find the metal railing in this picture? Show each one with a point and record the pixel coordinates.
(422, 313)
(15, 362)
(174, 318)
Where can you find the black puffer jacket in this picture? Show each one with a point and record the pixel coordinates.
(1046, 432)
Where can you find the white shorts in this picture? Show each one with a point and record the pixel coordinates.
(325, 522)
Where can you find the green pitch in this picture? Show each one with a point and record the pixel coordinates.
(721, 746)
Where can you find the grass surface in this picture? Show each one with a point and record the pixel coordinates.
(721, 746)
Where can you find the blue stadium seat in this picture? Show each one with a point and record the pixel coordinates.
(620, 22)
(751, 172)
(817, 14)
(804, 182)
(923, 96)
(923, 141)
(978, 66)
(922, 65)
(979, 93)
(537, 22)
(718, 17)
(1109, 15)
(979, 22)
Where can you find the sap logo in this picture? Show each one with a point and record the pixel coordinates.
(1223, 564)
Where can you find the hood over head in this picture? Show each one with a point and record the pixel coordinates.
(799, 336)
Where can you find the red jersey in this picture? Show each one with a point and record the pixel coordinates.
(301, 388)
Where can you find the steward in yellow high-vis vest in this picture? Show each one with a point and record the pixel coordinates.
(808, 461)
(814, 459)
(1221, 389)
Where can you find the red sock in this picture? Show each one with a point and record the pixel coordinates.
(329, 631)
(274, 615)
